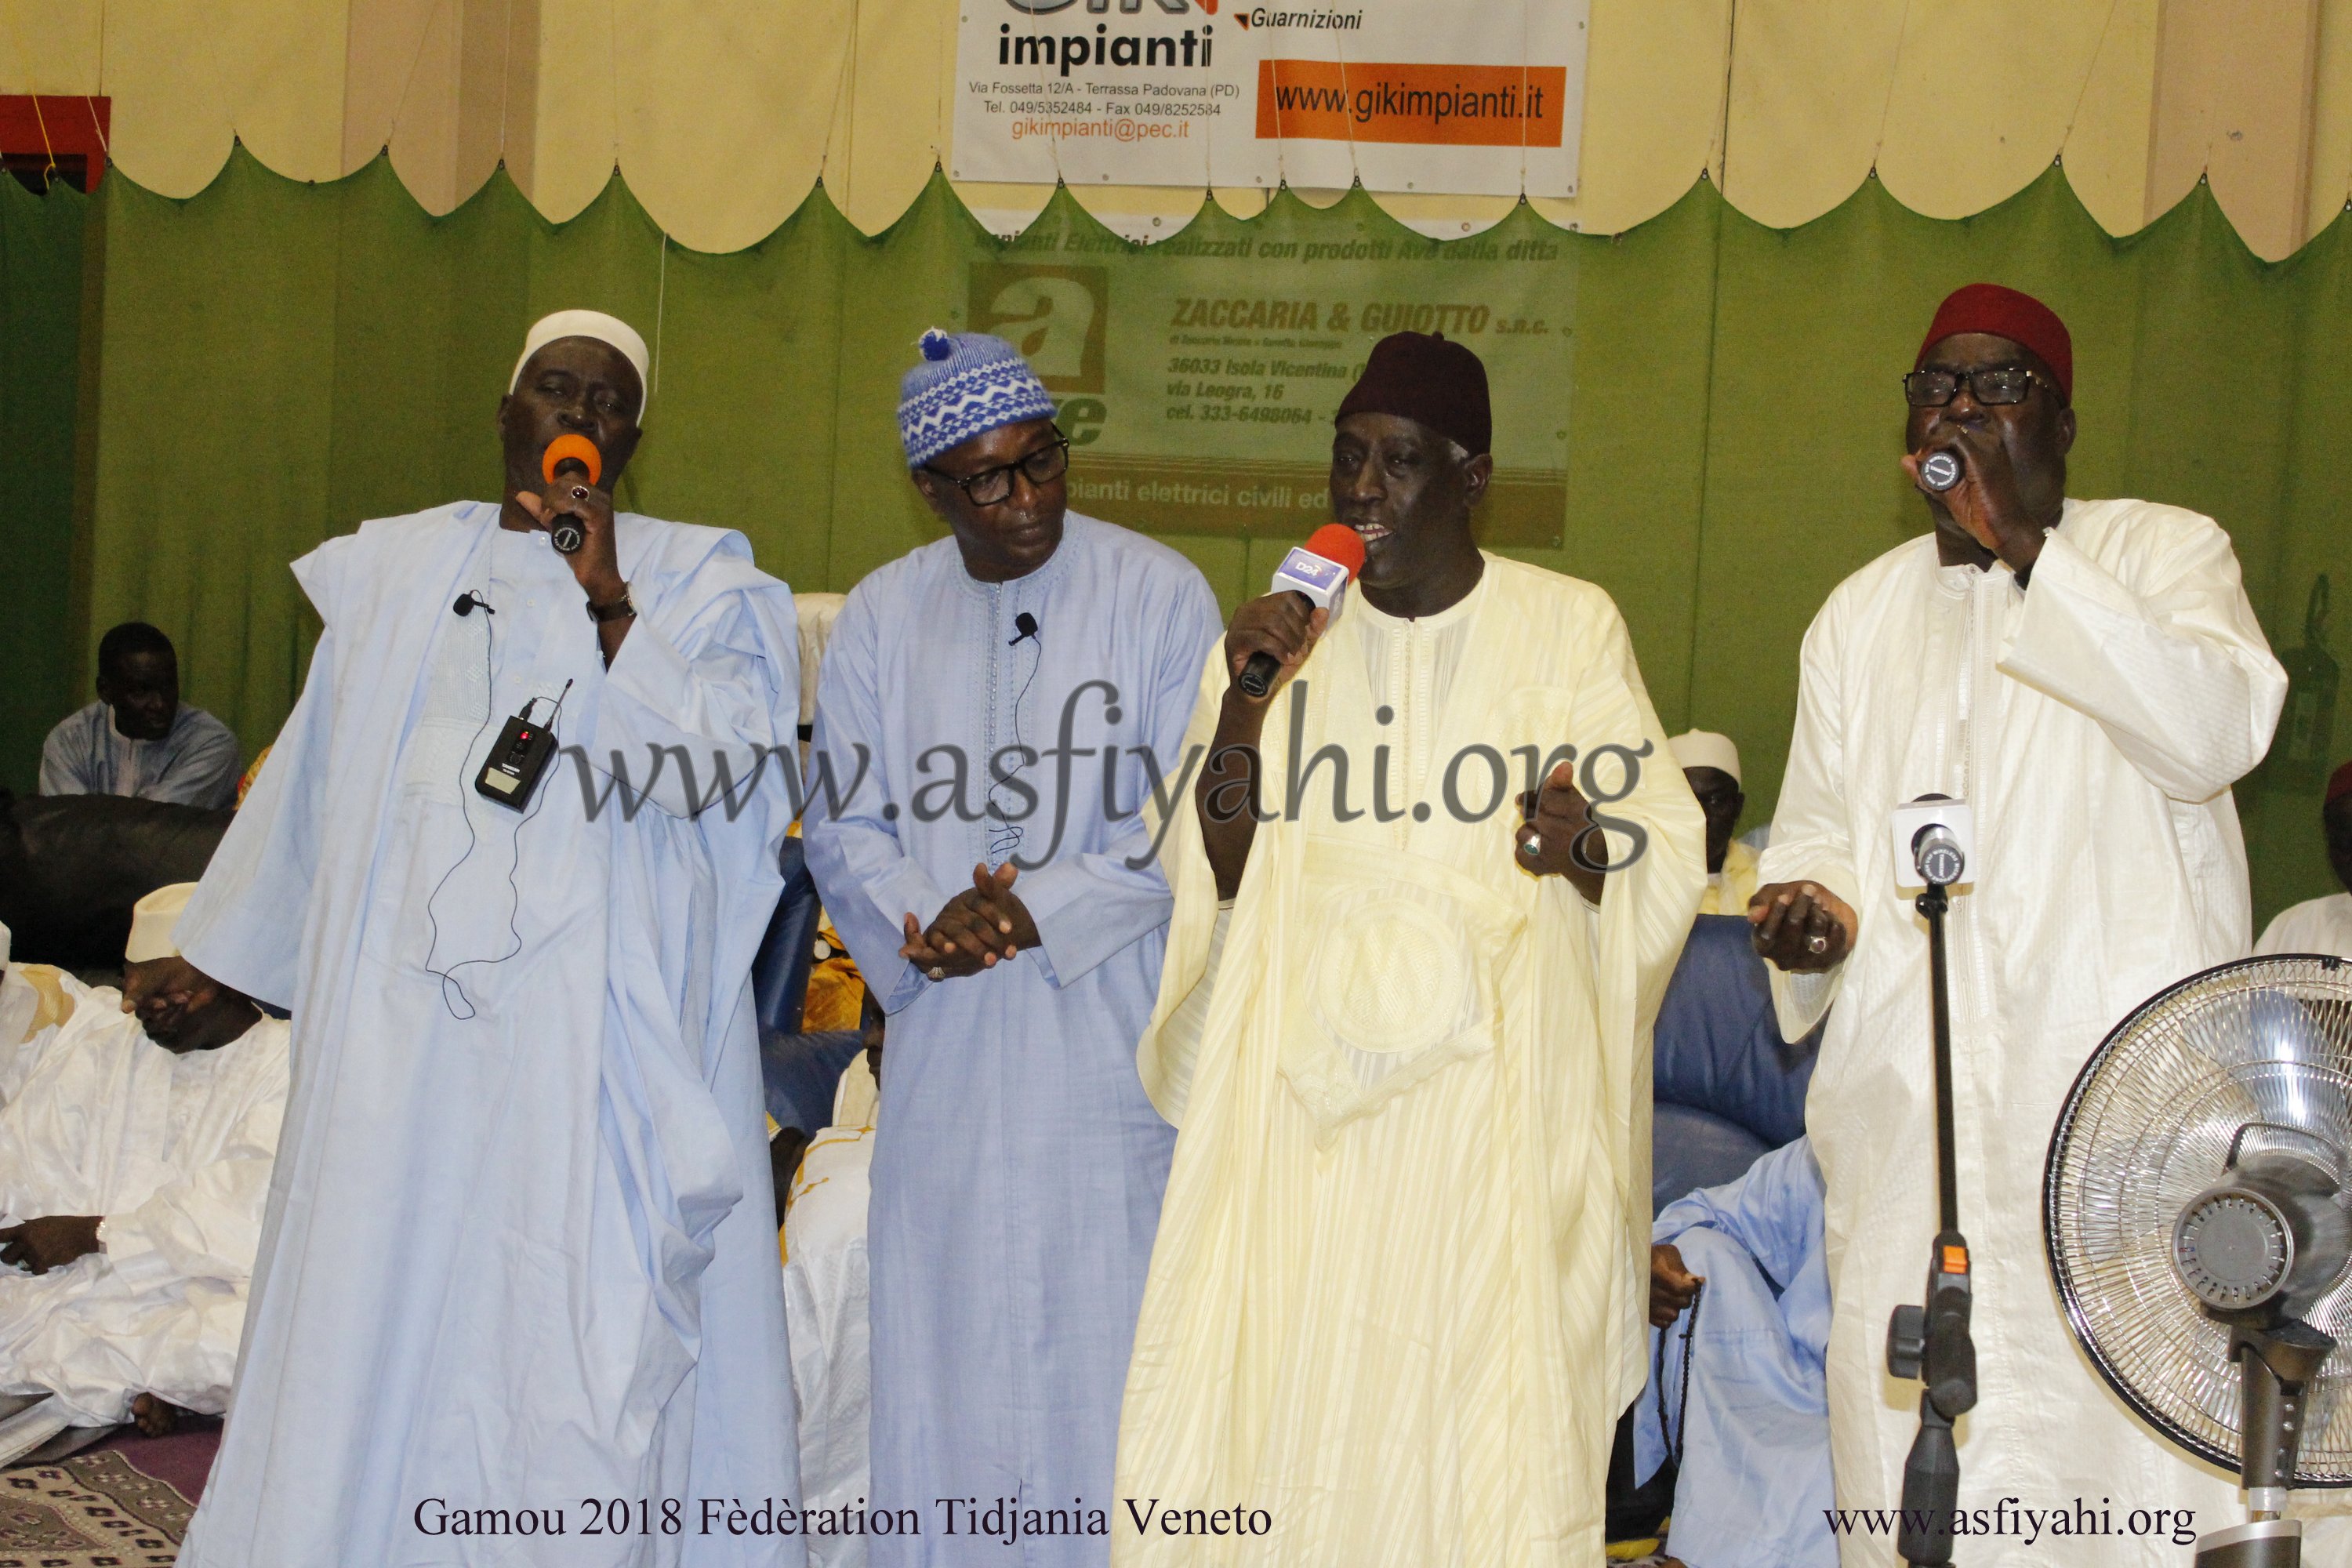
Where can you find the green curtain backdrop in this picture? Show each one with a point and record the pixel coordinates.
(279, 361)
(40, 341)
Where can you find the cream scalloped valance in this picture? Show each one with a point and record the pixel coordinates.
(723, 113)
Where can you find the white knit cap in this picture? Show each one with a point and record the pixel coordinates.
(152, 920)
(593, 324)
(1706, 749)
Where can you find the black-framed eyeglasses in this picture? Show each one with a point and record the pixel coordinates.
(1995, 388)
(993, 486)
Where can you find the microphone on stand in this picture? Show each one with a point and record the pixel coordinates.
(564, 453)
(1317, 571)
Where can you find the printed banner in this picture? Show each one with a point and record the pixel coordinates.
(1466, 96)
(1197, 378)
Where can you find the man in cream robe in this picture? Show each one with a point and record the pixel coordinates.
(2090, 677)
(1711, 763)
(1397, 1300)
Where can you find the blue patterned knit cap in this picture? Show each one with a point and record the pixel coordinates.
(966, 384)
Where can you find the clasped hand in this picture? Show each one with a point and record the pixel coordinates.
(50, 1242)
(975, 929)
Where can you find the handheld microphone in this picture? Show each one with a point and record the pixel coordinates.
(469, 600)
(573, 451)
(1939, 471)
(1026, 624)
(1317, 571)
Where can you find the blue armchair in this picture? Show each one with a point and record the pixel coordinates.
(1727, 1089)
(797, 1071)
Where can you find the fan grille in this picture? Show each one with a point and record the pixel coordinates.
(2147, 1127)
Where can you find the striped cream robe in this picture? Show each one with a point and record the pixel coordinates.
(1397, 1298)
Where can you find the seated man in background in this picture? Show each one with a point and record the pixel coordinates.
(1711, 763)
(2323, 925)
(825, 1297)
(139, 738)
(1738, 1399)
(134, 1166)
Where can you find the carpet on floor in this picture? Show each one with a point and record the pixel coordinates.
(122, 1504)
(96, 1509)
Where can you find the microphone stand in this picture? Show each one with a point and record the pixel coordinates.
(1932, 1343)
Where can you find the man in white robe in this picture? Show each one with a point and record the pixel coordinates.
(133, 1170)
(520, 1250)
(1396, 1305)
(826, 1295)
(2324, 924)
(2089, 677)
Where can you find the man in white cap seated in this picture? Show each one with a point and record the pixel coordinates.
(508, 866)
(1711, 763)
(135, 1168)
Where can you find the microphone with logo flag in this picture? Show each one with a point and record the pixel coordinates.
(1319, 572)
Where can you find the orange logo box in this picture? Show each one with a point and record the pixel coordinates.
(1451, 106)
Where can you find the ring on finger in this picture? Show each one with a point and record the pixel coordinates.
(1817, 943)
(1533, 845)
(937, 972)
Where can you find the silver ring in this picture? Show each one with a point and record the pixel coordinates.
(1534, 846)
(1812, 945)
(937, 972)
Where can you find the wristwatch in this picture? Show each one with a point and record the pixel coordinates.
(618, 609)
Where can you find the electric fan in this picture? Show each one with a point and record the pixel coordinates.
(2198, 1212)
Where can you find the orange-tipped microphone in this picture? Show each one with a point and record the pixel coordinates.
(565, 532)
(1319, 572)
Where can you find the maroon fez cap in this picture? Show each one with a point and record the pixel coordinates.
(1424, 377)
(2005, 314)
(2339, 785)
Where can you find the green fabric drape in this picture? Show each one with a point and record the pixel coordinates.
(40, 346)
(280, 361)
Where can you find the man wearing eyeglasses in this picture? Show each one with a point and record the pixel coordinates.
(1019, 688)
(2089, 677)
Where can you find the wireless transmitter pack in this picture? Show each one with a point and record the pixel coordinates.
(520, 757)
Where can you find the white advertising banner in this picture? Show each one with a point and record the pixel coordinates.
(1459, 96)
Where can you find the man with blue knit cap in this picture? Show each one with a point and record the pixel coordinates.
(1020, 687)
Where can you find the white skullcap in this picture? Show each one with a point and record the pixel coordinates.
(817, 612)
(152, 920)
(4, 944)
(1706, 749)
(593, 324)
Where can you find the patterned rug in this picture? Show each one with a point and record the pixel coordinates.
(92, 1511)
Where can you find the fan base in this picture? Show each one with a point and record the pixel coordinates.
(2264, 1543)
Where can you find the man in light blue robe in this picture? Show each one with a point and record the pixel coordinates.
(139, 738)
(1751, 1436)
(519, 1253)
(995, 880)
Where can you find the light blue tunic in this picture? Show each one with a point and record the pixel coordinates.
(1018, 1166)
(195, 763)
(521, 1245)
(1754, 1485)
